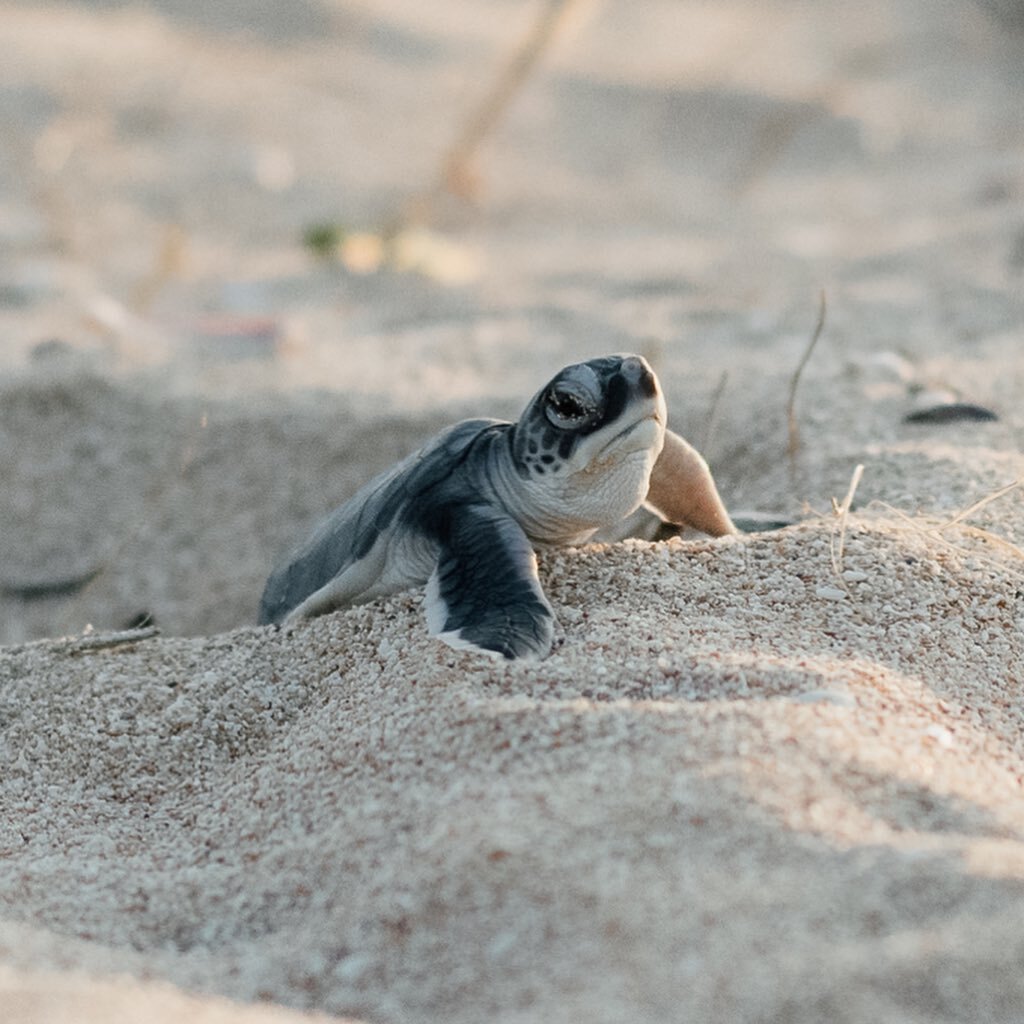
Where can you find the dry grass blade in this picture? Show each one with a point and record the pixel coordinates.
(712, 420)
(105, 641)
(794, 432)
(990, 538)
(934, 530)
(979, 505)
(838, 540)
(456, 163)
(170, 263)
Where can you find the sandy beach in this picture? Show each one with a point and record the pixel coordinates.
(772, 777)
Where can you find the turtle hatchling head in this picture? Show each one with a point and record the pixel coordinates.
(585, 445)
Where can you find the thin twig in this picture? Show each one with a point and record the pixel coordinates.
(169, 264)
(458, 158)
(989, 538)
(712, 420)
(843, 513)
(979, 505)
(934, 532)
(103, 641)
(794, 432)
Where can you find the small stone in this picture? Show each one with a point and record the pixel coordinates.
(354, 966)
(945, 412)
(501, 944)
(761, 522)
(939, 735)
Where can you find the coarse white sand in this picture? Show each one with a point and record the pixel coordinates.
(731, 793)
(771, 778)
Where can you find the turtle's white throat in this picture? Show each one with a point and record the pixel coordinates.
(605, 479)
(640, 435)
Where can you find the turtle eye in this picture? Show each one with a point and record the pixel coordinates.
(565, 409)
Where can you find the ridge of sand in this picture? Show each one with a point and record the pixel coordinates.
(729, 740)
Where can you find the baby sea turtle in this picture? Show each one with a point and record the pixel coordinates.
(464, 513)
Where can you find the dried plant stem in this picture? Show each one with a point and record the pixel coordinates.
(979, 505)
(934, 531)
(838, 543)
(104, 641)
(169, 264)
(989, 537)
(712, 420)
(794, 431)
(458, 158)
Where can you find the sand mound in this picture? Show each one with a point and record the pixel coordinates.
(737, 778)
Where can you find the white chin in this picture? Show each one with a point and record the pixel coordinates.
(641, 437)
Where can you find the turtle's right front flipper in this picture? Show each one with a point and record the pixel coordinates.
(484, 594)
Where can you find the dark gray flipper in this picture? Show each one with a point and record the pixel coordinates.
(484, 593)
(342, 562)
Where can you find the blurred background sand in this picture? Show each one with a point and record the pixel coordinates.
(187, 386)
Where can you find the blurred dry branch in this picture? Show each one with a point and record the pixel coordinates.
(90, 642)
(169, 263)
(457, 175)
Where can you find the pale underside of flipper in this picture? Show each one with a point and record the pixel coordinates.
(682, 490)
(484, 594)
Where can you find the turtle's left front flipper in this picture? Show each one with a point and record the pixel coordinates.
(484, 593)
(683, 491)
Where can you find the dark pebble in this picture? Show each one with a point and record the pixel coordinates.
(951, 412)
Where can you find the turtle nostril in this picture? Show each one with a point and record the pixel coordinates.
(648, 383)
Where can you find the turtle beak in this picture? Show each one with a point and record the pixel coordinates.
(640, 376)
(643, 436)
(643, 383)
